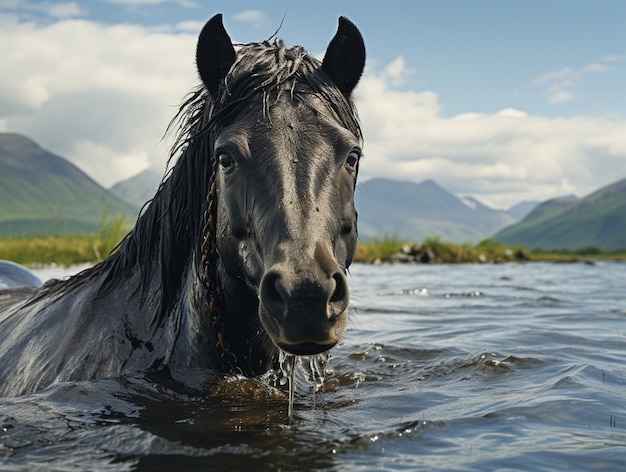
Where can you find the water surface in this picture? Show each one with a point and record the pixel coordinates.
(444, 367)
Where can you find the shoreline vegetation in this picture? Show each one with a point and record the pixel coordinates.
(65, 249)
(77, 249)
(433, 250)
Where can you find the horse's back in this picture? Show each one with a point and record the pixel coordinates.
(14, 275)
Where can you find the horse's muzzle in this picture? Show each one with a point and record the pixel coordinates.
(304, 313)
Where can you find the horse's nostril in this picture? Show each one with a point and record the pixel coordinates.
(274, 294)
(284, 295)
(340, 297)
(340, 292)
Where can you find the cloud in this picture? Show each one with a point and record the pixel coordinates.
(502, 158)
(55, 10)
(136, 2)
(560, 96)
(103, 95)
(65, 10)
(256, 17)
(559, 85)
(397, 72)
(190, 26)
(594, 67)
(614, 58)
(100, 95)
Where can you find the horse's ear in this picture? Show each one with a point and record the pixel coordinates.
(345, 57)
(215, 53)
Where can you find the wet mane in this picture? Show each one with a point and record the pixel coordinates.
(167, 236)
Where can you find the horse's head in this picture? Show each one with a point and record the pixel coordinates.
(287, 144)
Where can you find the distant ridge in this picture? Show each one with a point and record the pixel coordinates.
(41, 193)
(415, 211)
(138, 189)
(386, 207)
(598, 219)
(522, 209)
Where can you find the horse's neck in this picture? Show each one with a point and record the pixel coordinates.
(244, 335)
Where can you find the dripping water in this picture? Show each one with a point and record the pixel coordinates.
(311, 369)
(291, 362)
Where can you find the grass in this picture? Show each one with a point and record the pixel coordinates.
(378, 249)
(81, 248)
(435, 250)
(586, 253)
(65, 249)
(387, 249)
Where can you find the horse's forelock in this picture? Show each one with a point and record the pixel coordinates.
(264, 71)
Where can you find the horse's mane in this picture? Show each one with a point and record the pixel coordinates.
(168, 231)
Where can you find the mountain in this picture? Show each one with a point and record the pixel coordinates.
(550, 208)
(386, 207)
(415, 211)
(598, 220)
(139, 189)
(520, 210)
(41, 193)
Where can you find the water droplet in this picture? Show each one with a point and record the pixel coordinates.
(311, 369)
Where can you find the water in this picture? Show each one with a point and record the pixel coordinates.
(445, 367)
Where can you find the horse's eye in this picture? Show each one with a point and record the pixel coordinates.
(352, 160)
(226, 161)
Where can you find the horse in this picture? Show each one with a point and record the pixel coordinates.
(244, 249)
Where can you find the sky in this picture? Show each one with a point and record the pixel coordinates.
(504, 101)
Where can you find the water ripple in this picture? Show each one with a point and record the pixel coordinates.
(478, 367)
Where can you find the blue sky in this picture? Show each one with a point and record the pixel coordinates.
(502, 100)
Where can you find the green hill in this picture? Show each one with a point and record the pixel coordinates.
(596, 220)
(41, 193)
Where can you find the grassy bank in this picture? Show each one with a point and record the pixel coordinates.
(64, 249)
(390, 249)
(76, 249)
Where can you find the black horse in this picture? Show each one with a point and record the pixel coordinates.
(244, 248)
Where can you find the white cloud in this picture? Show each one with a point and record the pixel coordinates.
(136, 2)
(560, 96)
(614, 58)
(255, 17)
(64, 10)
(78, 86)
(102, 96)
(501, 158)
(562, 75)
(397, 72)
(594, 67)
(190, 26)
(561, 83)
(56, 10)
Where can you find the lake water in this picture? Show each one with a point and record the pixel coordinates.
(445, 367)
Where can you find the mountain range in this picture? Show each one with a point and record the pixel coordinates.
(414, 211)
(41, 193)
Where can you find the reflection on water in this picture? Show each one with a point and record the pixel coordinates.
(444, 367)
